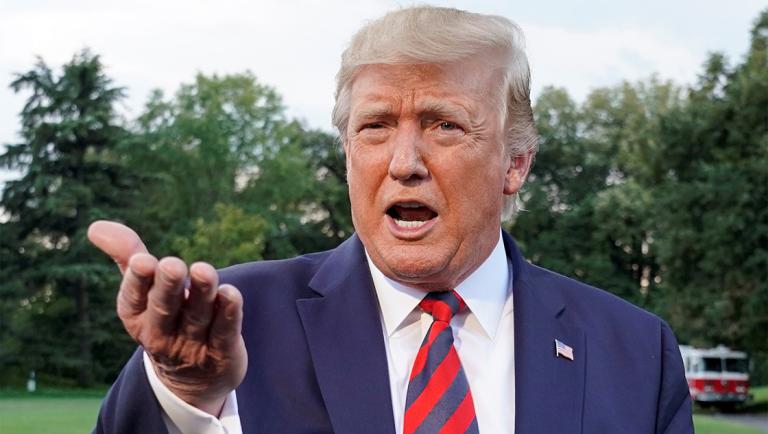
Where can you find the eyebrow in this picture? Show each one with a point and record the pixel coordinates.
(442, 109)
(375, 110)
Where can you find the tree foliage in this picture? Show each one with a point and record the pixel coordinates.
(226, 140)
(199, 147)
(712, 213)
(588, 197)
(232, 237)
(53, 282)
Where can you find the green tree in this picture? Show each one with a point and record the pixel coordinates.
(301, 191)
(587, 197)
(712, 207)
(232, 237)
(226, 140)
(202, 147)
(58, 292)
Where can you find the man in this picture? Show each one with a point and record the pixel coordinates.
(427, 319)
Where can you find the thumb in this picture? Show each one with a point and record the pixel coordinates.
(116, 240)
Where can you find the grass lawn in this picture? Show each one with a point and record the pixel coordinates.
(50, 412)
(74, 412)
(760, 396)
(710, 425)
(706, 424)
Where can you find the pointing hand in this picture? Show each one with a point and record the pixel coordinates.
(188, 324)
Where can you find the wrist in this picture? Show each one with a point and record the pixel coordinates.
(199, 394)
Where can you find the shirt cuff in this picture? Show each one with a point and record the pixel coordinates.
(181, 417)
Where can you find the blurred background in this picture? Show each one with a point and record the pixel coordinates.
(206, 127)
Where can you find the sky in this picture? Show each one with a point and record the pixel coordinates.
(295, 45)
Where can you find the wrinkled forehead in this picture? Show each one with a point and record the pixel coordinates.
(467, 79)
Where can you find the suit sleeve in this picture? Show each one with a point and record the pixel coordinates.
(674, 407)
(130, 406)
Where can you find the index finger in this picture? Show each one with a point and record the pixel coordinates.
(116, 240)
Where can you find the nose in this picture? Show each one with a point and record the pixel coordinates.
(407, 163)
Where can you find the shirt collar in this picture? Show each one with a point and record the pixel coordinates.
(484, 291)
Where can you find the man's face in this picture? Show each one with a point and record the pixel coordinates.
(427, 169)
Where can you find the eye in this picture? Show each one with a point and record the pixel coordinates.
(448, 126)
(373, 126)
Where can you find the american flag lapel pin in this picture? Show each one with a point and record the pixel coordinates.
(562, 350)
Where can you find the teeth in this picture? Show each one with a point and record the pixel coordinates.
(407, 224)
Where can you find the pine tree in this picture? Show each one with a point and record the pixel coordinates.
(58, 291)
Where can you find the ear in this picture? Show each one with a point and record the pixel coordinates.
(517, 171)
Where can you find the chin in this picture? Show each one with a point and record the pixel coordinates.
(415, 269)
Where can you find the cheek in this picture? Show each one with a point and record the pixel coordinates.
(368, 161)
(476, 185)
(366, 169)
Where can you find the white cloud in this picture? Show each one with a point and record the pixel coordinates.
(294, 45)
(148, 45)
(583, 60)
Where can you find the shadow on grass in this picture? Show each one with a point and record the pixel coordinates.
(748, 408)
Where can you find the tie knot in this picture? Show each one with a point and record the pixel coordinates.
(442, 305)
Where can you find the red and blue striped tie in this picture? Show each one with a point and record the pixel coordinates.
(439, 399)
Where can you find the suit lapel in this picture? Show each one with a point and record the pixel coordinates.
(549, 390)
(343, 330)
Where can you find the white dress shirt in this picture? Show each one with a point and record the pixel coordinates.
(483, 337)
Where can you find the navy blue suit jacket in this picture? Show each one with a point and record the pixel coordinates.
(317, 362)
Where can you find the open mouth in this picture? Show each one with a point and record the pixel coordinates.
(411, 215)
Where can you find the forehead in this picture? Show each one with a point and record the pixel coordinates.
(461, 80)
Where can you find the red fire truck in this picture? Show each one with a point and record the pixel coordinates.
(716, 376)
